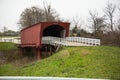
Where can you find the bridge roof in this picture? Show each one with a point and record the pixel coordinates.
(46, 23)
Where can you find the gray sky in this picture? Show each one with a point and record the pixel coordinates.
(10, 10)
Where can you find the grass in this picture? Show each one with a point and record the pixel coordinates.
(7, 46)
(81, 62)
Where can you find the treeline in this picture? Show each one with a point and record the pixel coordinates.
(111, 38)
(106, 27)
(7, 32)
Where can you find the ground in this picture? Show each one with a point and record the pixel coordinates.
(80, 62)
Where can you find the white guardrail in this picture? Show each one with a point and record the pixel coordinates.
(68, 40)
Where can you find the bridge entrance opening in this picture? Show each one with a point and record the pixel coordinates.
(55, 31)
(52, 31)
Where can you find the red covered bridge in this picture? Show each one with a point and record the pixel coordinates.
(31, 37)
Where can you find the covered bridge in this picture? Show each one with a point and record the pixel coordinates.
(31, 37)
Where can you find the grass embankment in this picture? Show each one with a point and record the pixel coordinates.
(4, 46)
(85, 62)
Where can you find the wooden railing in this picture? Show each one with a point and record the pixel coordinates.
(68, 40)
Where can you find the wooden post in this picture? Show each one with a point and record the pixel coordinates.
(21, 51)
(45, 51)
(38, 53)
(50, 50)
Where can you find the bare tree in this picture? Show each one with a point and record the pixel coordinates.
(50, 14)
(109, 12)
(77, 25)
(4, 29)
(34, 15)
(77, 21)
(119, 21)
(93, 17)
(118, 32)
(98, 23)
(31, 16)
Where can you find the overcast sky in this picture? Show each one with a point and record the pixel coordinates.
(10, 10)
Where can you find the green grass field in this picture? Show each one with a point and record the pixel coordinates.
(81, 62)
(7, 46)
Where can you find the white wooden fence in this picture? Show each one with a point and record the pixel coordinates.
(67, 41)
(11, 39)
(70, 41)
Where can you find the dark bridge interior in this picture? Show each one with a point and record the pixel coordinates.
(55, 31)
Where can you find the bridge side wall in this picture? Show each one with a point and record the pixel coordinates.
(31, 36)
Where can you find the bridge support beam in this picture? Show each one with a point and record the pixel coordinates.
(46, 51)
(21, 51)
(50, 50)
(38, 53)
